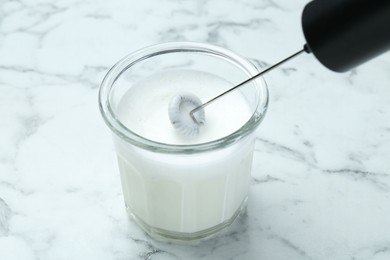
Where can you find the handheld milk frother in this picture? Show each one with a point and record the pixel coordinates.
(341, 34)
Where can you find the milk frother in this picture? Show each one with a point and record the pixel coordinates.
(341, 34)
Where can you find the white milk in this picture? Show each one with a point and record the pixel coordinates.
(184, 192)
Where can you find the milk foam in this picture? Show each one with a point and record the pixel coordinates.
(144, 108)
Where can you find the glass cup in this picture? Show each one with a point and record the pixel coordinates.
(183, 191)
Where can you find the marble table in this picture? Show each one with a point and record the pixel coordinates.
(321, 171)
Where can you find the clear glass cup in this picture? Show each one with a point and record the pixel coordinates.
(183, 192)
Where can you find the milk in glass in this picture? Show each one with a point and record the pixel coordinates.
(184, 192)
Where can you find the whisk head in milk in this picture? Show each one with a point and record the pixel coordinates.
(179, 109)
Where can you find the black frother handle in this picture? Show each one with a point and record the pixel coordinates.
(343, 34)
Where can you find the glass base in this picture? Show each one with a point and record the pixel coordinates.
(181, 237)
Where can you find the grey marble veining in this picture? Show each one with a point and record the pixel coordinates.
(321, 172)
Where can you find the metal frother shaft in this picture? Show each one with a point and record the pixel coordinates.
(305, 49)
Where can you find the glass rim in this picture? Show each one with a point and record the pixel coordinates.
(133, 138)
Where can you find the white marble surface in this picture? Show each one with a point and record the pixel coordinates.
(321, 173)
